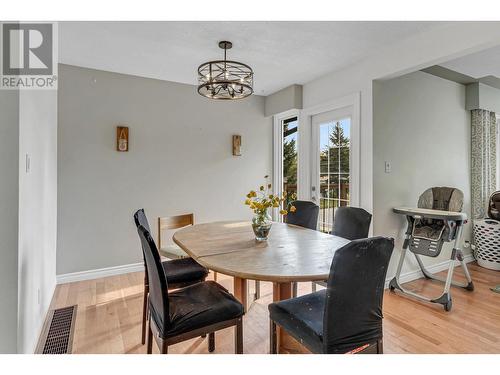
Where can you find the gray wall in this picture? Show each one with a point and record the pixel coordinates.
(37, 212)
(180, 161)
(481, 96)
(9, 187)
(421, 127)
(284, 100)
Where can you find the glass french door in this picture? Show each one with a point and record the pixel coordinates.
(331, 164)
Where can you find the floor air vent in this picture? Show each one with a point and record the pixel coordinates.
(57, 334)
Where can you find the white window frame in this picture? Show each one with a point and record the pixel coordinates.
(278, 153)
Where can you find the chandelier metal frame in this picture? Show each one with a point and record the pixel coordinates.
(225, 79)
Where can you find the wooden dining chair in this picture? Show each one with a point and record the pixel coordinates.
(181, 272)
(352, 223)
(186, 313)
(346, 317)
(172, 251)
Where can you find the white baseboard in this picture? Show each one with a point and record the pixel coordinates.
(98, 273)
(136, 267)
(417, 274)
(46, 309)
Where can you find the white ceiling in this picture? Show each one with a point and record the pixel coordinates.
(281, 53)
(477, 65)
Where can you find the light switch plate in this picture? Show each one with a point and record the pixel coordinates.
(388, 167)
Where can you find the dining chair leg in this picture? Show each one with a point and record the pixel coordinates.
(164, 348)
(215, 276)
(238, 337)
(294, 289)
(145, 312)
(211, 342)
(272, 337)
(150, 339)
(380, 347)
(257, 289)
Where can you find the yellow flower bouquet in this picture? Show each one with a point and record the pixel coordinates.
(260, 202)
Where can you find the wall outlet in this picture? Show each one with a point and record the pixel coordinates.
(388, 167)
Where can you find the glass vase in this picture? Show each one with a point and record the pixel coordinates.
(261, 224)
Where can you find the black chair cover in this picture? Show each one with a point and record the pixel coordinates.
(355, 289)
(305, 216)
(351, 222)
(179, 272)
(158, 286)
(141, 219)
(186, 309)
(348, 314)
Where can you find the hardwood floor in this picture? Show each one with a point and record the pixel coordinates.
(109, 318)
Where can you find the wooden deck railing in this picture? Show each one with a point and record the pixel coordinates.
(327, 206)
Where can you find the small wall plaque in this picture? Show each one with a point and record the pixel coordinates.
(122, 138)
(237, 145)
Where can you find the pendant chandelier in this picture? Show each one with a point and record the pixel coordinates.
(225, 79)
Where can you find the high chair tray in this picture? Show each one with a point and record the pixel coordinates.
(430, 214)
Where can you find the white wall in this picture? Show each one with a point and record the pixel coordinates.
(422, 128)
(9, 200)
(37, 212)
(283, 100)
(426, 49)
(180, 161)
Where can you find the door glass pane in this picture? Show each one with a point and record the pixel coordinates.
(334, 168)
(344, 186)
(290, 127)
(324, 150)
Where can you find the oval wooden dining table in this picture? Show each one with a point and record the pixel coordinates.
(291, 253)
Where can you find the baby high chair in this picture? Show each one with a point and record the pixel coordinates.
(437, 219)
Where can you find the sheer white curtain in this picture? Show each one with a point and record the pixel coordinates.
(483, 160)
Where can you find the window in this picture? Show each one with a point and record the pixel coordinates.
(286, 156)
(289, 155)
